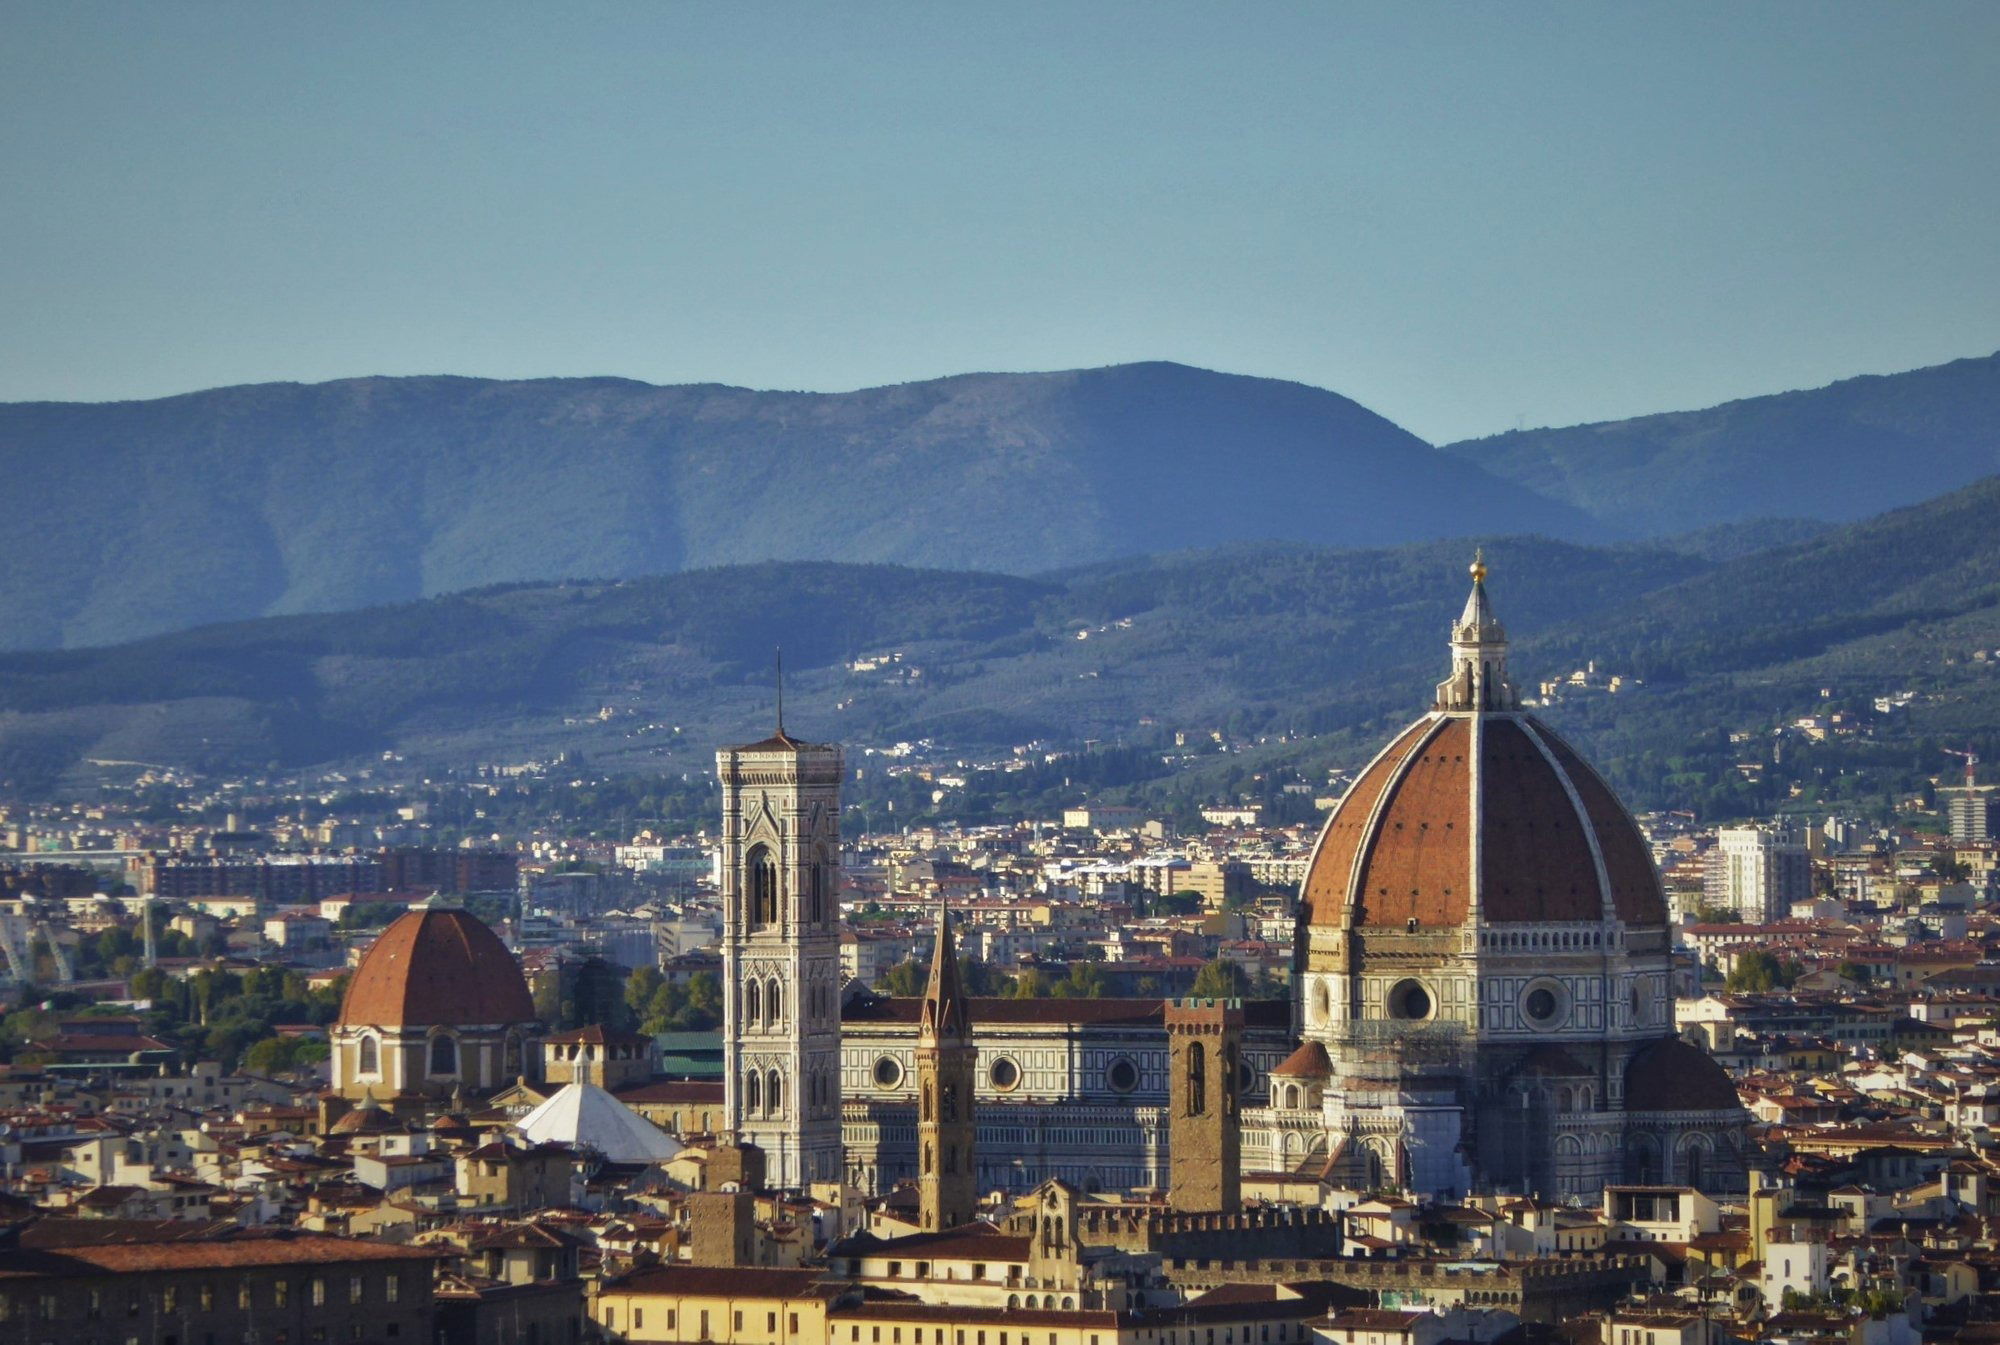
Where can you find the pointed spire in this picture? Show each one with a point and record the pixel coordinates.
(944, 1012)
(1478, 678)
(778, 658)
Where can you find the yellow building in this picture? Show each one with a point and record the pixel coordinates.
(745, 1306)
(726, 1306)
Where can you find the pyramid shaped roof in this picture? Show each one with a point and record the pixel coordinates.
(584, 1115)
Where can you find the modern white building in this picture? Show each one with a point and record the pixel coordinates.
(1758, 871)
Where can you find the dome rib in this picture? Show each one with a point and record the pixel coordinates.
(437, 967)
(1329, 876)
(1552, 843)
(1636, 894)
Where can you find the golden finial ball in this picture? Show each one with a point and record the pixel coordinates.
(1478, 566)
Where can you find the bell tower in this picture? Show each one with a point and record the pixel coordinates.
(781, 953)
(946, 1194)
(1205, 1125)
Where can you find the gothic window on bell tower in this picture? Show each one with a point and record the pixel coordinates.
(1197, 1079)
(761, 872)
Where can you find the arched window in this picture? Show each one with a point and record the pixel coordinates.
(1642, 1160)
(753, 996)
(752, 1093)
(774, 1002)
(1291, 1095)
(761, 870)
(444, 1055)
(1694, 1163)
(370, 1060)
(816, 888)
(949, 1112)
(774, 1093)
(928, 1090)
(511, 1056)
(1197, 1079)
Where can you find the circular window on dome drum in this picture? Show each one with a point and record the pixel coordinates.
(888, 1071)
(1005, 1074)
(1544, 1004)
(1123, 1076)
(1409, 1000)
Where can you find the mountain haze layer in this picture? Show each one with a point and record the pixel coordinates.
(1836, 453)
(1320, 651)
(134, 518)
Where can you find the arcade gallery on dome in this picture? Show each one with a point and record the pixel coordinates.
(437, 1008)
(1482, 970)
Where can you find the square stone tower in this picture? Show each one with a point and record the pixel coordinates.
(781, 953)
(1205, 1120)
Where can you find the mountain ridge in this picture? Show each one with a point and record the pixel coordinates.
(272, 498)
(1837, 453)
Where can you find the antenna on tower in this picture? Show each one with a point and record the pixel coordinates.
(778, 658)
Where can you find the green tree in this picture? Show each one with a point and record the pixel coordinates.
(1084, 981)
(1759, 971)
(1220, 979)
(1030, 984)
(903, 980)
(978, 979)
(640, 987)
(705, 998)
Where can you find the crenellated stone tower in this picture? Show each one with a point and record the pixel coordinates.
(946, 1057)
(781, 953)
(1205, 1124)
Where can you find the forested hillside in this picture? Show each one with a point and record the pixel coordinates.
(286, 498)
(1836, 453)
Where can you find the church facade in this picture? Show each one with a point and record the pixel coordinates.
(1480, 993)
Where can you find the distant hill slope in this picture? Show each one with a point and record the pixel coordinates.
(1836, 453)
(1324, 651)
(134, 518)
(652, 674)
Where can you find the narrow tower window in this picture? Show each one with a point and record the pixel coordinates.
(761, 870)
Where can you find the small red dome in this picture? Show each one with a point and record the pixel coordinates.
(437, 967)
(1400, 846)
(1671, 1075)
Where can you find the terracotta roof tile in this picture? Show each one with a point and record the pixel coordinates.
(437, 966)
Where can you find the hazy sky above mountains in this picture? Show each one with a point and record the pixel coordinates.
(1463, 216)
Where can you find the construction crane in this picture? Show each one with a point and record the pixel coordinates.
(1971, 763)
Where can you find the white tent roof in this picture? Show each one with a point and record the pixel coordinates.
(585, 1115)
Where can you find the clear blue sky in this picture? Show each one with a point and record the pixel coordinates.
(1463, 216)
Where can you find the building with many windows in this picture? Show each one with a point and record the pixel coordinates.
(1758, 872)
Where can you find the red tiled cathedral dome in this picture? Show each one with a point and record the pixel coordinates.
(437, 967)
(1478, 805)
